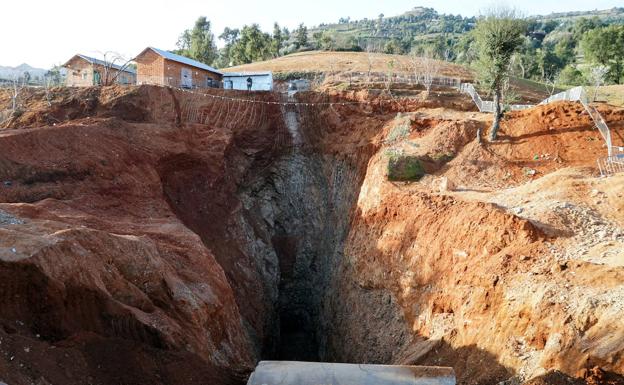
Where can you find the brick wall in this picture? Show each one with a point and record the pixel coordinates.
(154, 69)
(80, 74)
(150, 68)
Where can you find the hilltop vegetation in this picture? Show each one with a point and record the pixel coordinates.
(562, 48)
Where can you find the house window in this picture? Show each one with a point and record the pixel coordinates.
(84, 75)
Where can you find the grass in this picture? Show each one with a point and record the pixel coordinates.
(613, 95)
(404, 168)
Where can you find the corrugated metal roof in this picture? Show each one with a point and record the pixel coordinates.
(184, 60)
(93, 60)
(237, 74)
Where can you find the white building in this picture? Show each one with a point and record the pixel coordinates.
(260, 81)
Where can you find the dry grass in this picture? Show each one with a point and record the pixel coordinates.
(613, 95)
(322, 61)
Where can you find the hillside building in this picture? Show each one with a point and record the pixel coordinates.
(157, 66)
(84, 71)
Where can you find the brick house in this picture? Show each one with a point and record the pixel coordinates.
(156, 66)
(84, 71)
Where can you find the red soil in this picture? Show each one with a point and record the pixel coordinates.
(124, 258)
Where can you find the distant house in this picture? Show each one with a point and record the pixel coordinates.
(83, 71)
(156, 66)
(260, 81)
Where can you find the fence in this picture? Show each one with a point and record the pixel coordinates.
(573, 94)
(487, 105)
(578, 94)
(611, 165)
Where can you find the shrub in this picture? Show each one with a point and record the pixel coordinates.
(570, 76)
(295, 75)
(404, 168)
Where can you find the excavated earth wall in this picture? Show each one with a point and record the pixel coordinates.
(152, 236)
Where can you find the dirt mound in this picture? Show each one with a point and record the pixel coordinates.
(533, 143)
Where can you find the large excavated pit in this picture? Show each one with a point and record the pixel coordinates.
(296, 208)
(156, 236)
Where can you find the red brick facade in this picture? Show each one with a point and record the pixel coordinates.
(153, 68)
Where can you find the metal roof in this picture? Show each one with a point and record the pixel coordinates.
(184, 60)
(236, 74)
(93, 60)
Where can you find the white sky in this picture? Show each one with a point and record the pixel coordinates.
(48, 32)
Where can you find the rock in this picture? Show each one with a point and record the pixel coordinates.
(446, 185)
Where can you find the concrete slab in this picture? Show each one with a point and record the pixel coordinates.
(319, 373)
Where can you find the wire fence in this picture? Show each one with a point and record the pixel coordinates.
(578, 94)
(611, 165)
(573, 94)
(487, 105)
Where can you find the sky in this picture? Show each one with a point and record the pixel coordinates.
(50, 32)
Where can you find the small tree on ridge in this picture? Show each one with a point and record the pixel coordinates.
(498, 34)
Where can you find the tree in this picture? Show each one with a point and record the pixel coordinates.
(426, 69)
(597, 77)
(393, 47)
(301, 36)
(199, 42)
(605, 46)
(113, 65)
(252, 45)
(327, 41)
(549, 63)
(570, 76)
(230, 37)
(498, 34)
(26, 76)
(278, 40)
(54, 75)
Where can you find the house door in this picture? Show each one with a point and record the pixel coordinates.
(97, 78)
(186, 80)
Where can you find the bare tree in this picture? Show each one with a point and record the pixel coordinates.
(597, 76)
(16, 85)
(551, 84)
(48, 83)
(113, 65)
(425, 69)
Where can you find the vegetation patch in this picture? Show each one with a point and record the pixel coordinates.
(401, 129)
(295, 75)
(404, 168)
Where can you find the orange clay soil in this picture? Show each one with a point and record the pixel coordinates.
(153, 236)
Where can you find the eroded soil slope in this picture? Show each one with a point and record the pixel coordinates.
(152, 236)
